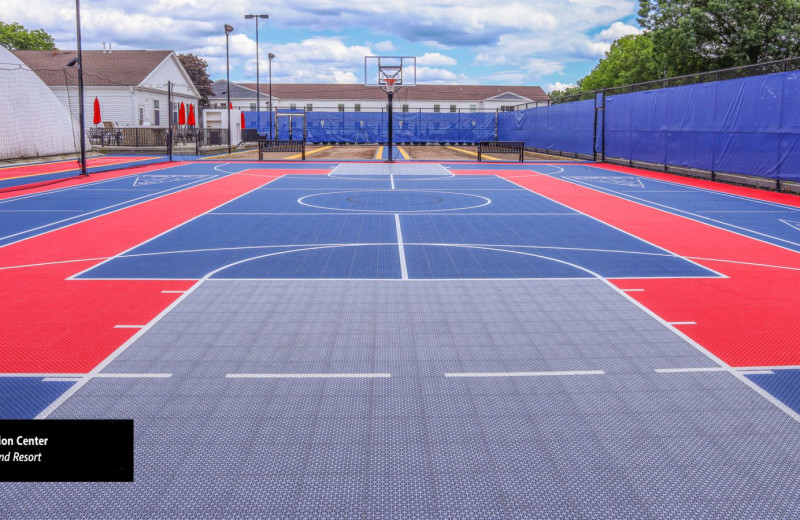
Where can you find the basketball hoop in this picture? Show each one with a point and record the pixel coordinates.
(390, 84)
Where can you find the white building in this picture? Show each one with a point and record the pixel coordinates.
(358, 98)
(130, 86)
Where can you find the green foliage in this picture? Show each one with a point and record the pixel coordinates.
(557, 95)
(630, 60)
(15, 37)
(703, 35)
(196, 68)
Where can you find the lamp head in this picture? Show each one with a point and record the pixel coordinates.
(271, 56)
(228, 29)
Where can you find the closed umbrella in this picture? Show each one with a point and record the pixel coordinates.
(182, 114)
(191, 121)
(96, 119)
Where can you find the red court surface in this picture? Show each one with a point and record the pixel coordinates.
(55, 325)
(747, 320)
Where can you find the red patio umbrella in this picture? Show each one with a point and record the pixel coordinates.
(242, 119)
(182, 115)
(230, 106)
(96, 120)
(191, 120)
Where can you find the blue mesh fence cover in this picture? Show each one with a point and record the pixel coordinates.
(567, 127)
(746, 125)
(372, 127)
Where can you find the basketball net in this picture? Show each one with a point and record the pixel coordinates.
(390, 85)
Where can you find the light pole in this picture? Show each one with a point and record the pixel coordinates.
(258, 87)
(271, 56)
(228, 30)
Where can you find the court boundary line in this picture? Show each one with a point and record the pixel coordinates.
(763, 393)
(700, 219)
(208, 180)
(720, 275)
(154, 195)
(73, 277)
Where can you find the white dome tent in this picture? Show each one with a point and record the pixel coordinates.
(33, 122)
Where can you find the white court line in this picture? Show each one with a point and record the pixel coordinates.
(717, 224)
(61, 379)
(671, 253)
(306, 376)
(401, 248)
(129, 326)
(103, 364)
(527, 374)
(135, 376)
(692, 370)
(633, 290)
(41, 211)
(682, 323)
(53, 226)
(391, 178)
(172, 292)
(74, 276)
(757, 372)
(362, 211)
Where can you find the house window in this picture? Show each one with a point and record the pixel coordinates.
(309, 107)
(293, 106)
(437, 108)
(341, 107)
(174, 114)
(141, 116)
(473, 108)
(252, 107)
(358, 107)
(405, 108)
(506, 108)
(156, 113)
(452, 108)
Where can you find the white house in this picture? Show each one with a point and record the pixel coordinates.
(358, 98)
(130, 86)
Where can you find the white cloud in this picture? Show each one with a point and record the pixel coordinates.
(549, 87)
(435, 58)
(617, 30)
(506, 38)
(384, 46)
(433, 76)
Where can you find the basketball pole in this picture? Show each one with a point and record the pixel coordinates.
(390, 94)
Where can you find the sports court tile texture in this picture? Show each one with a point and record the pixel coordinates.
(415, 354)
(598, 434)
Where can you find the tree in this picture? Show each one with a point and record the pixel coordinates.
(630, 60)
(196, 68)
(692, 36)
(15, 37)
(557, 95)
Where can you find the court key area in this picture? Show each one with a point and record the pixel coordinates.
(410, 340)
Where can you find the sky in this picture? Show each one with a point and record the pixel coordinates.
(549, 43)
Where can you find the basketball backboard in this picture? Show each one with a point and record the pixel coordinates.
(390, 72)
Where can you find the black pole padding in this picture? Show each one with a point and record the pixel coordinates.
(390, 95)
(169, 120)
(81, 110)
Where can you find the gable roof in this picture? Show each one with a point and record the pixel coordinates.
(339, 91)
(116, 68)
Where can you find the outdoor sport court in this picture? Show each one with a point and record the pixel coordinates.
(416, 339)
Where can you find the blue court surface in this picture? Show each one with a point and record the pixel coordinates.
(36, 213)
(317, 226)
(771, 222)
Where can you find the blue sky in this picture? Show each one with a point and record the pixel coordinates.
(551, 43)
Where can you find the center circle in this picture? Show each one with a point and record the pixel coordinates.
(379, 199)
(394, 201)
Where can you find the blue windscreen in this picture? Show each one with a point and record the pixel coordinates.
(746, 125)
(566, 127)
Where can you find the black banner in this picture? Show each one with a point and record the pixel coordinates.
(66, 450)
